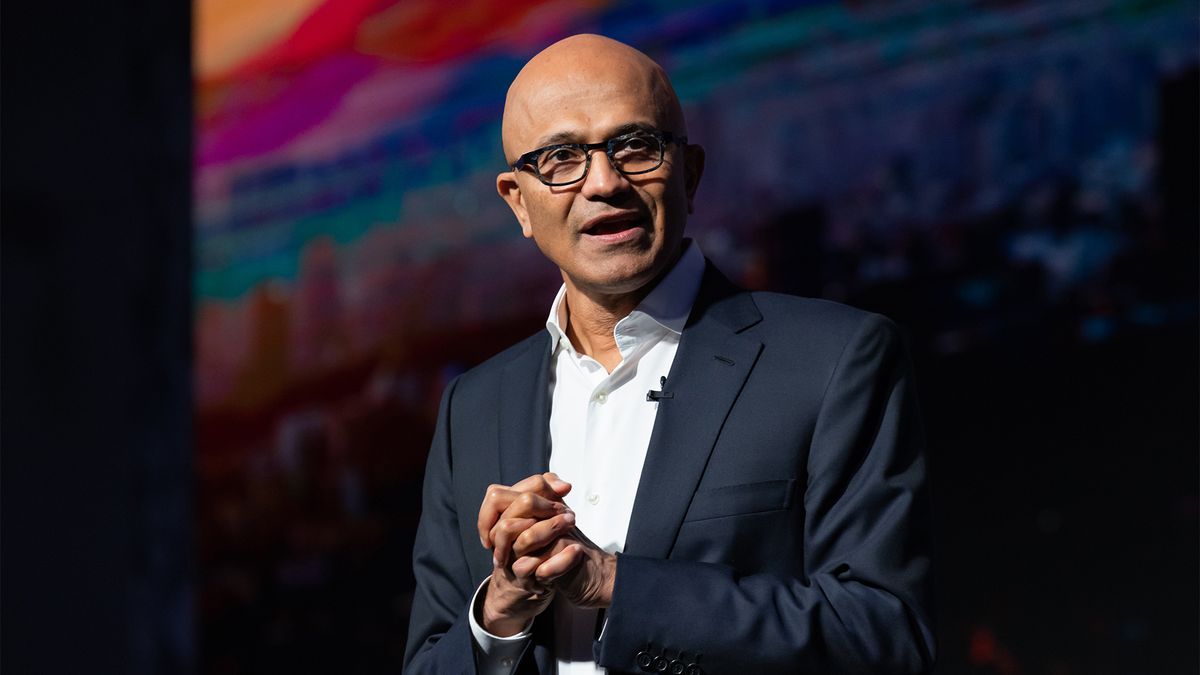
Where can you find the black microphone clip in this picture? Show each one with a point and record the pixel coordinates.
(659, 394)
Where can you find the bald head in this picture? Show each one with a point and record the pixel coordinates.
(565, 88)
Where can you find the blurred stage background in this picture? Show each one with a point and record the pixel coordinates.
(216, 410)
(1014, 182)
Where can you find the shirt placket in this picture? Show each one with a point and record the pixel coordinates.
(606, 404)
(586, 375)
(593, 453)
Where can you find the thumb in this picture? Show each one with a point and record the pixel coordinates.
(560, 486)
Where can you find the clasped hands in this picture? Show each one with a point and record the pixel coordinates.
(537, 552)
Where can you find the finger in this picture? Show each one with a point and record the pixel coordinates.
(559, 564)
(530, 505)
(495, 500)
(498, 498)
(546, 484)
(560, 486)
(525, 567)
(505, 532)
(542, 534)
(501, 575)
(525, 505)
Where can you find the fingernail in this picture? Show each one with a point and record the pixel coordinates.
(569, 518)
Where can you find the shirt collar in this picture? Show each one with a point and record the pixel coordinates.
(667, 306)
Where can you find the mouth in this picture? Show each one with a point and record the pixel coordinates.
(613, 226)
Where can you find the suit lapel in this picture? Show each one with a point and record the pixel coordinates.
(710, 367)
(524, 409)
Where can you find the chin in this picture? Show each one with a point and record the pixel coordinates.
(623, 281)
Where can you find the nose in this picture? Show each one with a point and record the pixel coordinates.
(603, 179)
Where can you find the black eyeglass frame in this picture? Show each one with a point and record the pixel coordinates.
(663, 137)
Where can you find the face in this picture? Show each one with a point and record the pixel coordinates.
(610, 234)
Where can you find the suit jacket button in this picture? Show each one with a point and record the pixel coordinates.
(677, 667)
(644, 661)
(660, 664)
(693, 669)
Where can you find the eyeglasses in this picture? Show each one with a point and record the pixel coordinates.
(567, 163)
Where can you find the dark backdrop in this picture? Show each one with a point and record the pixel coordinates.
(95, 433)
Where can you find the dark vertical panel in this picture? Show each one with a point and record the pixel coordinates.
(95, 444)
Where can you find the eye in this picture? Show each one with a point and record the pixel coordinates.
(636, 144)
(636, 147)
(564, 154)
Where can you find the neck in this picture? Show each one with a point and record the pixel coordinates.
(590, 316)
(590, 319)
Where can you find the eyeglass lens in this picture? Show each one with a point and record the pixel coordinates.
(633, 154)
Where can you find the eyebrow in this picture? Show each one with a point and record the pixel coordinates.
(573, 137)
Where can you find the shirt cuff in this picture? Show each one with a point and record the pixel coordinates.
(495, 655)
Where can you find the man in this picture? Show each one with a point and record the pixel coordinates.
(737, 482)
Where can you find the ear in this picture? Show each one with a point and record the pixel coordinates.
(693, 169)
(510, 191)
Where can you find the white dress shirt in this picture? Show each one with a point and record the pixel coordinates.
(600, 426)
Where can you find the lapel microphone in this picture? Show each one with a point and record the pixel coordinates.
(657, 395)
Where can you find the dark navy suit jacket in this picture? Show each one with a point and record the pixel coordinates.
(781, 522)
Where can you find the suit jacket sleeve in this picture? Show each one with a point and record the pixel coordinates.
(863, 602)
(439, 633)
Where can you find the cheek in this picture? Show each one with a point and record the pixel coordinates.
(670, 205)
(549, 233)
(548, 216)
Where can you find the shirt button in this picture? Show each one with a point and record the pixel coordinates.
(602, 397)
(593, 498)
(506, 662)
